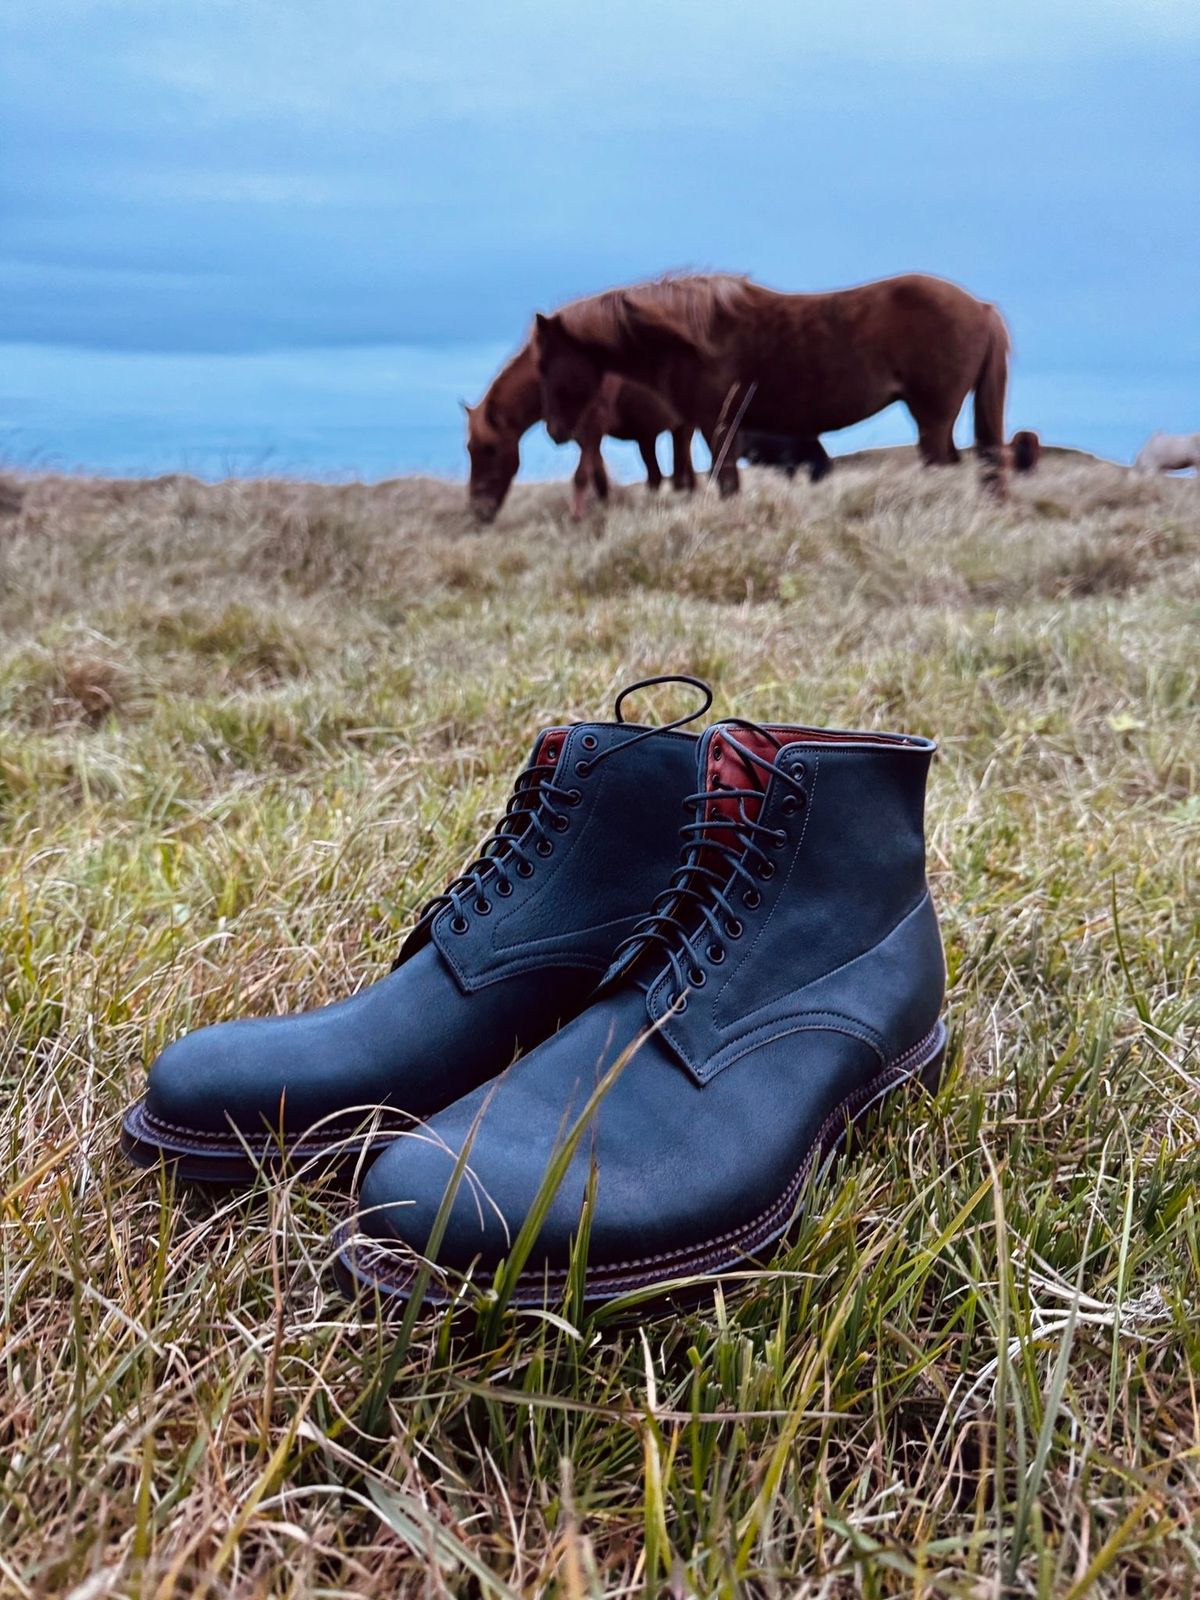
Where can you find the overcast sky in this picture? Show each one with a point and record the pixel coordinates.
(289, 233)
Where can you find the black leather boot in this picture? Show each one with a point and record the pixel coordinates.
(506, 953)
(788, 981)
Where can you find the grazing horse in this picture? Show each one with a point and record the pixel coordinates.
(1169, 452)
(727, 353)
(785, 452)
(1026, 450)
(513, 404)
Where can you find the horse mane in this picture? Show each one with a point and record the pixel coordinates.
(692, 307)
(512, 396)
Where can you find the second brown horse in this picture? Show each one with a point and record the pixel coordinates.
(618, 408)
(727, 353)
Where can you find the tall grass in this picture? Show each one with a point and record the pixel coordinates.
(245, 730)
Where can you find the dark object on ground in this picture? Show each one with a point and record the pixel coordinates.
(785, 451)
(1026, 451)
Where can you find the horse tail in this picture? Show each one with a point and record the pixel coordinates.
(990, 387)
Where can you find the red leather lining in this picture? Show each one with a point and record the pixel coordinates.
(727, 769)
(549, 745)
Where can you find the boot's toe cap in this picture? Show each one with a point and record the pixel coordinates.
(403, 1193)
(232, 1072)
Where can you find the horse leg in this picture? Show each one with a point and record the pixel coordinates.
(819, 464)
(935, 435)
(683, 479)
(600, 476)
(583, 476)
(649, 453)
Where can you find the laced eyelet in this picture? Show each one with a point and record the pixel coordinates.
(678, 1006)
(560, 824)
(765, 871)
(544, 847)
(697, 977)
(583, 768)
(734, 928)
(779, 842)
(524, 869)
(715, 954)
(459, 924)
(484, 907)
(752, 899)
(504, 888)
(589, 741)
(574, 797)
(791, 804)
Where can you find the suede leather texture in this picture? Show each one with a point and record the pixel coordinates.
(837, 973)
(458, 1006)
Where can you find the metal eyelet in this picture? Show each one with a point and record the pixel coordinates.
(589, 741)
(716, 954)
(560, 823)
(459, 924)
(752, 899)
(484, 907)
(504, 888)
(583, 768)
(574, 797)
(765, 871)
(524, 869)
(734, 928)
(791, 804)
(544, 847)
(679, 1005)
(779, 842)
(697, 977)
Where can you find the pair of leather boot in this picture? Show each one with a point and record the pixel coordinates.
(682, 968)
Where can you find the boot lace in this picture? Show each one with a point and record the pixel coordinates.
(535, 813)
(721, 855)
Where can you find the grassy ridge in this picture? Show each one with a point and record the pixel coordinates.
(245, 730)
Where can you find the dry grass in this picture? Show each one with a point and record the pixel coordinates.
(245, 729)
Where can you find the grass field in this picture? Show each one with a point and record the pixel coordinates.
(245, 730)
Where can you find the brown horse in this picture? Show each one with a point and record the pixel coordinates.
(727, 354)
(513, 404)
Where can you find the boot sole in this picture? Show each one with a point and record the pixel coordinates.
(366, 1266)
(229, 1160)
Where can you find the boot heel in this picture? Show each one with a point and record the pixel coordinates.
(930, 1075)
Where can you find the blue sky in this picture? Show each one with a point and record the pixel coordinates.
(283, 235)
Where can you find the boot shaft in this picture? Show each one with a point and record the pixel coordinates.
(824, 911)
(598, 834)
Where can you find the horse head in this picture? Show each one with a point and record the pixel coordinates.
(494, 448)
(570, 375)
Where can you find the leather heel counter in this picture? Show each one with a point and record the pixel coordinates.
(901, 984)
